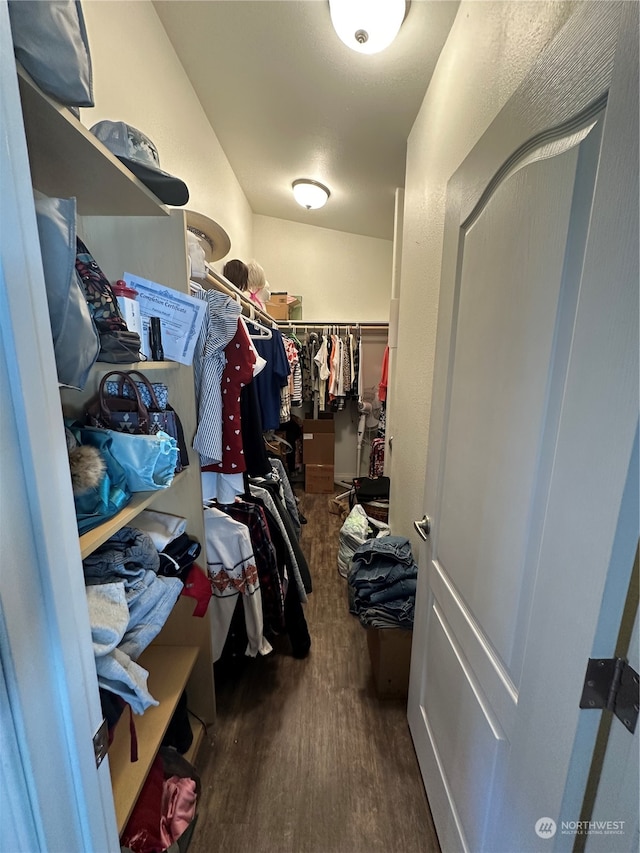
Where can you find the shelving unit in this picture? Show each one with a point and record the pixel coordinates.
(67, 160)
(169, 668)
(128, 230)
(92, 539)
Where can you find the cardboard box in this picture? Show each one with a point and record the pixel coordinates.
(318, 441)
(281, 306)
(277, 310)
(390, 653)
(319, 479)
(281, 298)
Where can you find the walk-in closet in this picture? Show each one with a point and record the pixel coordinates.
(318, 426)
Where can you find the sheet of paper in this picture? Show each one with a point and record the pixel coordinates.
(180, 316)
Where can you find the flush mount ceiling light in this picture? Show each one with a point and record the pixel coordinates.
(367, 26)
(310, 194)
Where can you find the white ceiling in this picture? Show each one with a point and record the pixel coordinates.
(287, 99)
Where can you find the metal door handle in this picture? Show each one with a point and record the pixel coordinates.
(423, 527)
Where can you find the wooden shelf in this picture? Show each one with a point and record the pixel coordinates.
(144, 366)
(102, 367)
(67, 160)
(169, 669)
(94, 538)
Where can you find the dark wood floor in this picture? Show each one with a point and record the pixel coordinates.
(304, 758)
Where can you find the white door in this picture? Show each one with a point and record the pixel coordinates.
(531, 489)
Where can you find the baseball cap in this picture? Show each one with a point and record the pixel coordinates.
(138, 153)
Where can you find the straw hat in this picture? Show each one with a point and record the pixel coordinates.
(213, 238)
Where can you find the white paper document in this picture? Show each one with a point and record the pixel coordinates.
(180, 316)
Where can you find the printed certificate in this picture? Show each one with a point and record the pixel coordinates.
(180, 316)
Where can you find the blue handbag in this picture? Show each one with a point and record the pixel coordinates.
(149, 461)
(101, 503)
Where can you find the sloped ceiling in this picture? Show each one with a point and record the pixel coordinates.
(287, 99)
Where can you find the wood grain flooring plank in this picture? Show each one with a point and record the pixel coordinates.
(304, 757)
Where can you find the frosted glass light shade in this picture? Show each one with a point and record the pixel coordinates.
(310, 194)
(367, 26)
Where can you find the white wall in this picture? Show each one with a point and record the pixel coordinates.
(340, 276)
(139, 79)
(489, 50)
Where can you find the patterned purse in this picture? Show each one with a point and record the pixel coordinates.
(120, 413)
(98, 293)
(156, 397)
(137, 405)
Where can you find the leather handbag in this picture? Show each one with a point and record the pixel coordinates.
(120, 413)
(128, 404)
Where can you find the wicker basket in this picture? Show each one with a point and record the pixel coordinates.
(379, 510)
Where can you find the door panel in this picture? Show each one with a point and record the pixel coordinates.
(534, 413)
(465, 727)
(511, 271)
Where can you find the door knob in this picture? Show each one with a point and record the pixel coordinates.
(423, 527)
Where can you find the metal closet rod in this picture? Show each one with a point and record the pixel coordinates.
(223, 285)
(315, 324)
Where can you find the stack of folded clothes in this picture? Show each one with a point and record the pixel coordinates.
(382, 583)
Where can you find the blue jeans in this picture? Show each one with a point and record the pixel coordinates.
(397, 614)
(150, 603)
(399, 591)
(396, 548)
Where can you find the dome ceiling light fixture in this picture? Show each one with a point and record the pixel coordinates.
(367, 26)
(310, 194)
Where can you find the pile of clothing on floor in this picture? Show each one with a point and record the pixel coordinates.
(382, 583)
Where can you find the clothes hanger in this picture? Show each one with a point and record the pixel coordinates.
(264, 333)
(291, 334)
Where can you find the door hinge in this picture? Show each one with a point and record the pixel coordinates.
(611, 684)
(101, 742)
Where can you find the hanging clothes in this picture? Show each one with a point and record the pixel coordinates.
(274, 377)
(272, 585)
(295, 377)
(232, 568)
(384, 377)
(219, 327)
(309, 368)
(296, 560)
(224, 479)
(376, 456)
(322, 361)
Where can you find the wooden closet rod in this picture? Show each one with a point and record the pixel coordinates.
(218, 282)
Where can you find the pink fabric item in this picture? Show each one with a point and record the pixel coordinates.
(382, 387)
(178, 808)
(255, 298)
